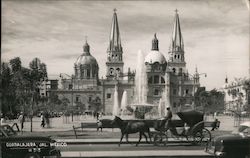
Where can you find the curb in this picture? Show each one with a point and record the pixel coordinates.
(137, 154)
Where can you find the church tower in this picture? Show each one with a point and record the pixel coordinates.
(176, 53)
(114, 62)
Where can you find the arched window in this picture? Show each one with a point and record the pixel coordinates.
(156, 66)
(111, 71)
(97, 99)
(118, 70)
(93, 72)
(88, 73)
(82, 73)
(174, 70)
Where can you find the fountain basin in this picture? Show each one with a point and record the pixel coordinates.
(140, 109)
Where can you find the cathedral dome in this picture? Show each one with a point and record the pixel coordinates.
(86, 66)
(155, 56)
(86, 58)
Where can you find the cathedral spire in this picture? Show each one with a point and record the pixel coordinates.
(114, 62)
(115, 39)
(177, 40)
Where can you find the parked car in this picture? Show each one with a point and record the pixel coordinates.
(233, 145)
(13, 145)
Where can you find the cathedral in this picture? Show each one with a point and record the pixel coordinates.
(167, 76)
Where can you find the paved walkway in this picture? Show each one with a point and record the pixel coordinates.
(65, 124)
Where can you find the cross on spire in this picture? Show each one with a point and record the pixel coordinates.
(176, 11)
(115, 9)
(86, 38)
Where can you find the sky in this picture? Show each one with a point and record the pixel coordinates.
(215, 33)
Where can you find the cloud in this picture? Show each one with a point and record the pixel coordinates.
(216, 35)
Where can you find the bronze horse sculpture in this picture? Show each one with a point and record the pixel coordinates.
(129, 127)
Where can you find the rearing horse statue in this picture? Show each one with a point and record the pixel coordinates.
(131, 127)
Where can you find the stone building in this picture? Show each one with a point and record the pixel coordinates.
(237, 95)
(167, 78)
(82, 89)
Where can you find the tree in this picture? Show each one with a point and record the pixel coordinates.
(7, 99)
(217, 101)
(209, 101)
(16, 64)
(20, 85)
(38, 74)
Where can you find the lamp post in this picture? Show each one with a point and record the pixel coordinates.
(70, 87)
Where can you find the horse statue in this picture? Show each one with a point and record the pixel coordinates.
(129, 127)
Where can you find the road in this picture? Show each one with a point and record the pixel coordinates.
(173, 150)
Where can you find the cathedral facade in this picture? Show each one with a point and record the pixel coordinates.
(167, 78)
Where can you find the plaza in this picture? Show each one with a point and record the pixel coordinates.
(81, 62)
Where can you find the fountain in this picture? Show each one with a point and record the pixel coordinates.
(124, 103)
(140, 105)
(141, 79)
(160, 108)
(116, 103)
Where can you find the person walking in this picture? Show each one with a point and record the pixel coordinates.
(46, 117)
(215, 124)
(42, 120)
(21, 120)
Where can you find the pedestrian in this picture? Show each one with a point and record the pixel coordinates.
(97, 116)
(42, 120)
(21, 120)
(47, 119)
(185, 129)
(2, 121)
(215, 124)
(100, 115)
(215, 114)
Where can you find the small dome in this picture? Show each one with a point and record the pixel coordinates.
(155, 56)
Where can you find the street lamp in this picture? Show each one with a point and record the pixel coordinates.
(196, 77)
(70, 87)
